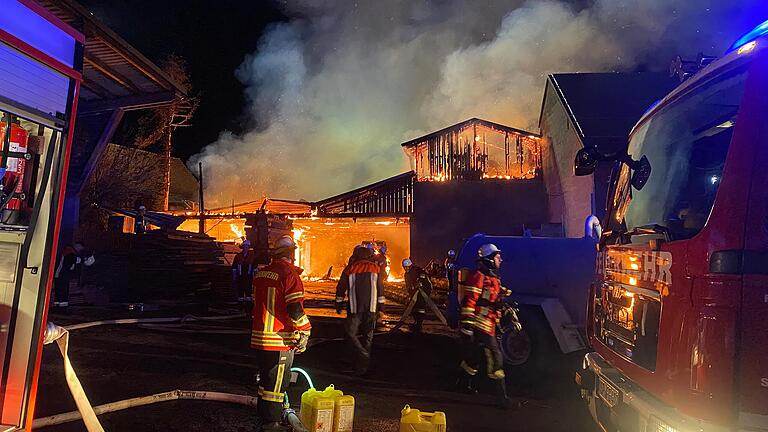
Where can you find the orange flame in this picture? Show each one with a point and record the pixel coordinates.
(240, 234)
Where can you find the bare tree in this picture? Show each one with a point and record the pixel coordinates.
(123, 177)
(158, 125)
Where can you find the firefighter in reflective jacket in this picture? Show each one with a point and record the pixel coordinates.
(481, 294)
(417, 279)
(68, 268)
(363, 282)
(280, 329)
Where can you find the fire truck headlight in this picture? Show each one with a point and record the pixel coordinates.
(655, 424)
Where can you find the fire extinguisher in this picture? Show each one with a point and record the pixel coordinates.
(13, 179)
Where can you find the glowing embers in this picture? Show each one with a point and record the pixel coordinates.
(475, 150)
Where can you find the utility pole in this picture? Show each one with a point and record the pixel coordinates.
(201, 227)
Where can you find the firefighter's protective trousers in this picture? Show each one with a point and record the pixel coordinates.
(358, 331)
(274, 377)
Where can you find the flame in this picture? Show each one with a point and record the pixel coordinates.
(391, 278)
(297, 232)
(236, 231)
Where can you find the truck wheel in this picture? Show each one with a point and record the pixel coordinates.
(543, 353)
(515, 346)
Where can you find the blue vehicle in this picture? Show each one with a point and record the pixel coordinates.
(547, 277)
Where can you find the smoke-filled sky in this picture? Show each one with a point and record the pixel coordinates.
(332, 92)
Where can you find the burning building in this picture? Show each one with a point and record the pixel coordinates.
(473, 176)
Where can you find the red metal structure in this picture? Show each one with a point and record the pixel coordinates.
(677, 313)
(41, 64)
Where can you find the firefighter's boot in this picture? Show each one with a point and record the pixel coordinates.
(502, 399)
(464, 383)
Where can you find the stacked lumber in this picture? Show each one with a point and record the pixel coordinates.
(173, 265)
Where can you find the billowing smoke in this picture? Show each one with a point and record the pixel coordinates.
(333, 92)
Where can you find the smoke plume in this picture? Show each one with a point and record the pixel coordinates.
(335, 90)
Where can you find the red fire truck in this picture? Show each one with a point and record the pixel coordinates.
(678, 312)
(40, 64)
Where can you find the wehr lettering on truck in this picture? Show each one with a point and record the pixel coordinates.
(677, 309)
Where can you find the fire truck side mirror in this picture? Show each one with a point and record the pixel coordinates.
(641, 174)
(586, 161)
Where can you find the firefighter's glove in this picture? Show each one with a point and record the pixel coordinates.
(506, 292)
(302, 337)
(339, 306)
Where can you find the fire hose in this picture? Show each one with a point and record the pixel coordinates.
(88, 413)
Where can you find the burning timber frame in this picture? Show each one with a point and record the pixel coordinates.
(392, 197)
(475, 149)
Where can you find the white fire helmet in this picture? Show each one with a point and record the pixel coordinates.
(407, 263)
(488, 250)
(283, 244)
(451, 253)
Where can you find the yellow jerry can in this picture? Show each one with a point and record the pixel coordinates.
(413, 420)
(317, 409)
(344, 413)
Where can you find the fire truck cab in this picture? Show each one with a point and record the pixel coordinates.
(677, 312)
(40, 64)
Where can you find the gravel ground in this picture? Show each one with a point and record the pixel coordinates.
(119, 362)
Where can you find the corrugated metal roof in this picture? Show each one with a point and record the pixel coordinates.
(112, 68)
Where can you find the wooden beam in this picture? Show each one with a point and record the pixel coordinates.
(97, 64)
(97, 88)
(127, 103)
(98, 150)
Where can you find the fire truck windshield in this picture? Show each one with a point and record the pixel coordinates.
(686, 144)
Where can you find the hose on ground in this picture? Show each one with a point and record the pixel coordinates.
(147, 400)
(184, 319)
(292, 419)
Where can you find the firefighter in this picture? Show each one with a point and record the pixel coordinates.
(362, 282)
(140, 224)
(482, 296)
(383, 262)
(416, 278)
(280, 329)
(68, 268)
(450, 269)
(243, 268)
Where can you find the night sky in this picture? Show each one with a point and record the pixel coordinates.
(214, 38)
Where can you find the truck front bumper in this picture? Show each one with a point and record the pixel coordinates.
(617, 403)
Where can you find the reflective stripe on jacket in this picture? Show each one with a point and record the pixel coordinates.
(274, 288)
(485, 290)
(363, 282)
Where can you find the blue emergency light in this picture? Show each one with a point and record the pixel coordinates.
(758, 31)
